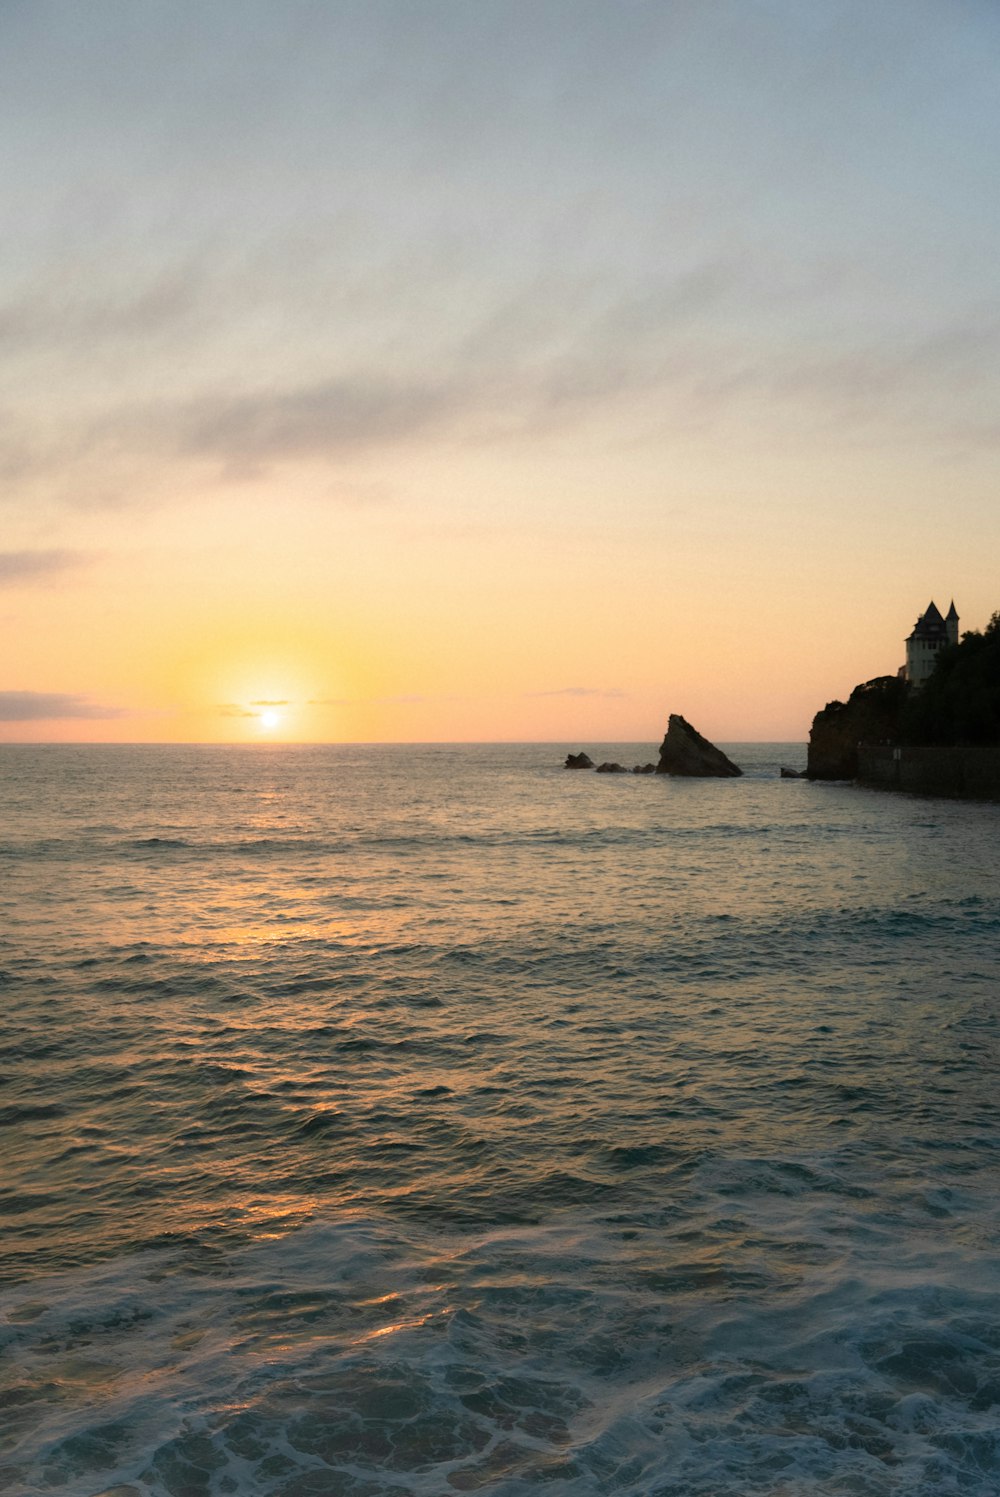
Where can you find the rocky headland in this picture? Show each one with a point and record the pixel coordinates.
(871, 714)
(939, 738)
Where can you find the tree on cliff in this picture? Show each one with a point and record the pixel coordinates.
(871, 714)
(960, 701)
(959, 704)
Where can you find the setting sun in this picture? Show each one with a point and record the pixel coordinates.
(270, 720)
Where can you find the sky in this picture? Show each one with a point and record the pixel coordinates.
(418, 370)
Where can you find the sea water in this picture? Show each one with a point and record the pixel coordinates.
(385, 1120)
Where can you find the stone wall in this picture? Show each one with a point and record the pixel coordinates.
(971, 773)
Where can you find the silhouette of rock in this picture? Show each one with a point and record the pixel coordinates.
(644, 769)
(579, 761)
(792, 774)
(871, 714)
(610, 768)
(685, 752)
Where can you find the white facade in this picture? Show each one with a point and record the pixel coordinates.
(930, 634)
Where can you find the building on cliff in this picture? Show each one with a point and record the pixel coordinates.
(930, 633)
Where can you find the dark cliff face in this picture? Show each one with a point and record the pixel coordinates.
(958, 706)
(871, 714)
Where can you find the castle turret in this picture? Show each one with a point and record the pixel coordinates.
(930, 633)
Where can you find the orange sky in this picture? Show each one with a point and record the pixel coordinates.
(408, 374)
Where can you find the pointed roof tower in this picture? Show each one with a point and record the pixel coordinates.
(930, 624)
(930, 634)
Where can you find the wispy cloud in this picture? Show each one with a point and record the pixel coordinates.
(346, 412)
(50, 706)
(17, 567)
(580, 691)
(403, 699)
(254, 709)
(675, 351)
(523, 361)
(55, 313)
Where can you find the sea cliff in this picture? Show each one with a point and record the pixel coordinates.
(871, 714)
(940, 739)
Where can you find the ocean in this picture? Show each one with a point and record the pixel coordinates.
(427, 1120)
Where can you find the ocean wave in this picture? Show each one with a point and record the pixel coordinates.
(113, 843)
(362, 1357)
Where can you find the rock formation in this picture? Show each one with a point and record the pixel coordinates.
(644, 769)
(611, 768)
(579, 761)
(685, 752)
(792, 774)
(871, 714)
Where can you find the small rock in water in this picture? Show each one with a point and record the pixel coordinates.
(610, 768)
(644, 769)
(579, 761)
(792, 774)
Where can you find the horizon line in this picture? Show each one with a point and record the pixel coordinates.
(342, 742)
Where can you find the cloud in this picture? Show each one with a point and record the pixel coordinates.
(28, 566)
(56, 315)
(401, 700)
(675, 352)
(262, 703)
(331, 415)
(580, 691)
(233, 709)
(528, 358)
(689, 348)
(495, 237)
(48, 706)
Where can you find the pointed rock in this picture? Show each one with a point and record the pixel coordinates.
(579, 761)
(685, 752)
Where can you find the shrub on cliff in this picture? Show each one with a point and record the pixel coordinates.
(960, 701)
(871, 714)
(959, 704)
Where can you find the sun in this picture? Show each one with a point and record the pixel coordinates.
(270, 719)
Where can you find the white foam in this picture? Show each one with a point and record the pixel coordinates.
(360, 1353)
